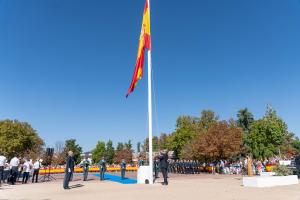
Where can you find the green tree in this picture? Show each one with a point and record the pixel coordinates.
(245, 119)
(98, 152)
(296, 145)
(163, 141)
(186, 128)
(70, 145)
(120, 146)
(267, 135)
(207, 119)
(110, 152)
(155, 144)
(128, 145)
(19, 139)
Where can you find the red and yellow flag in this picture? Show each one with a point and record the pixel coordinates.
(144, 44)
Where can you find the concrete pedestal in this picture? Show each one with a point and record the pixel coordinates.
(270, 181)
(144, 175)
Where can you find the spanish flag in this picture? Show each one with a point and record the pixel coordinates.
(144, 44)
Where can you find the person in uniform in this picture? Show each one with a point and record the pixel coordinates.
(141, 162)
(85, 163)
(123, 168)
(156, 167)
(70, 163)
(102, 168)
(164, 166)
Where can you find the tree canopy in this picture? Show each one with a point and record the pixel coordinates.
(110, 152)
(19, 139)
(98, 152)
(266, 135)
(245, 119)
(221, 141)
(70, 145)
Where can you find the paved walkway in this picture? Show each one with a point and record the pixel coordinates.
(181, 187)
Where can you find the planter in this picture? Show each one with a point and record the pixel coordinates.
(269, 181)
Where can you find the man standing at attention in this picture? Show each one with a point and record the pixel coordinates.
(69, 170)
(164, 166)
(85, 165)
(123, 168)
(2, 165)
(36, 169)
(102, 168)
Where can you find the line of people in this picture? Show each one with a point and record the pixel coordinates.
(85, 163)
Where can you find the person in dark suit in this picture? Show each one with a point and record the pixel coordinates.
(141, 162)
(163, 158)
(70, 163)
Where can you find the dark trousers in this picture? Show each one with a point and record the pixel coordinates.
(1, 174)
(164, 173)
(14, 174)
(102, 172)
(123, 173)
(85, 174)
(156, 173)
(35, 175)
(25, 177)
(67, 179)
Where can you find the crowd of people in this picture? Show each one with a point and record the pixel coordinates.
(238, 167)
(11, 171)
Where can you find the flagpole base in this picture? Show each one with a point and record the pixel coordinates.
(144, 175)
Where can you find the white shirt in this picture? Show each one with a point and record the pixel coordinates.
(2, 161)
(14, 162)
(26, 167)
(36, 165)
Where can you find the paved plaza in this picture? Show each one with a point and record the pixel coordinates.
(181, 187)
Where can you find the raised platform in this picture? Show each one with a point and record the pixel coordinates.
(269, 181)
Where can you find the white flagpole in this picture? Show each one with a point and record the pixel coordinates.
(150, 110)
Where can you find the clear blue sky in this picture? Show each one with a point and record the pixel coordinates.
(66, 65)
